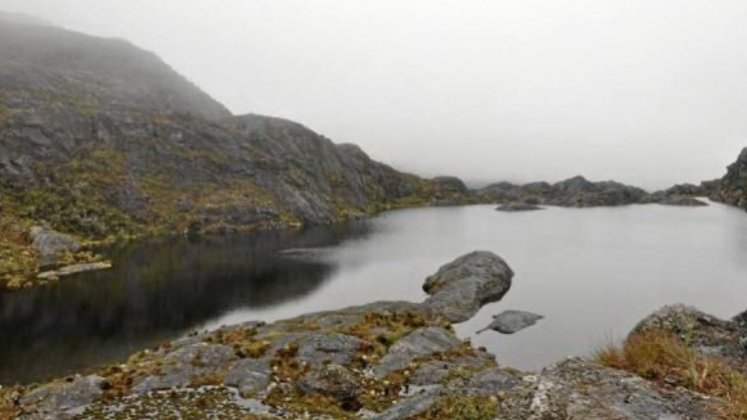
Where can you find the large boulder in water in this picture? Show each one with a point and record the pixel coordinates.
(459, 289)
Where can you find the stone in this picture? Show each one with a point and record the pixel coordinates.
(50, 244)
(249, 375)
(490, 382)
(411, 407)
(580, 389)
(419, 343)
(511, 321)
(186, 364)
(332, 380)
(459, 289)
(65, 397)
(328, 348)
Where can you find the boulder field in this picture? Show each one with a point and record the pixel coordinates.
(383, 360)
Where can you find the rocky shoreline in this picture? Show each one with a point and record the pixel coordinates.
(384, 360)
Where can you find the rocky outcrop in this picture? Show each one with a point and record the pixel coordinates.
(384, 360)
(732, 188)
(572, 192)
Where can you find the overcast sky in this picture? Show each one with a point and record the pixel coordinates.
(649, 92)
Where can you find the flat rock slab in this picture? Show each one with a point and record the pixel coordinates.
(511, 321)
(328, 348)
(186, 364)
(421, 342)
(65, 397)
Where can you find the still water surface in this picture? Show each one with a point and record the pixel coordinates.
(592, 272)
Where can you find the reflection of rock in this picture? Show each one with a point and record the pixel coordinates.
(674, 200)
(512, 207)
(305, 254)
(509, 322)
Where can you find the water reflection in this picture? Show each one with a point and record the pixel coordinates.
(156, 291)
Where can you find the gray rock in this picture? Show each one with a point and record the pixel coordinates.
(328, 348)
(332, 380)
(459, 289)
(51, 243)
(412, 406)
(430, 373)
(490, 382)
(249, 375)
(580, 389)
(509, 322)
(186, 364)
(65, 397)
(419, 343)
(515, 207)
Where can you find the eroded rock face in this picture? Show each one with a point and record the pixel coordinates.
(733, 186)
(66, 398)
(459, 289)
(50, 244)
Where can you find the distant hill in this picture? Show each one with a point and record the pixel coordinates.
(101, 139)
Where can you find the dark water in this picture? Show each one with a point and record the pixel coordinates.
(592, 272)
(158, 290)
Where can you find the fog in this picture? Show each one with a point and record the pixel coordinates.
(649, 92)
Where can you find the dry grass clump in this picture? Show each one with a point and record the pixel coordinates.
(666, 359)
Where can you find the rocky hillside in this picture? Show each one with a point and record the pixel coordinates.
(100, 139)
(732, 188)
(403, 360)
